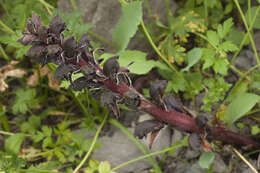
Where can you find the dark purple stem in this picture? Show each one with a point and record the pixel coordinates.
(182, 121)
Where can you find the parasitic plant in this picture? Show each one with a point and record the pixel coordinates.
(71, 56)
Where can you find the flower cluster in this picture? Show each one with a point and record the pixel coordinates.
(49, 45)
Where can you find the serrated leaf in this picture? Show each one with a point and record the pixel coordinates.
(208, 57)
(213, 37)
(74, 26)
(35, 121)
(225, 28)
(60, 155)
(37, 137)
(127, 24)
(221, 66)
(47, 131)
(238, 108)
(14, 142)
(193, 57)
(140, 65)
(206, 159)
(46, 142)
(178, 83)
(228, 46)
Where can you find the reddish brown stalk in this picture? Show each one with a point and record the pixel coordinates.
(184, 122)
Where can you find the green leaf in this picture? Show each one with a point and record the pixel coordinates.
(178, 83)
(14, 142)
(74, 26)
(208, 57)
(228, 8)
(127, 24)
(60, 155)
(242, 87)
(236, 36)
(223, 30)
(193, 57)
(194, 80)
(240, 106)
(47, 142)
(240, 125)
(104, 167)
(228, 46)
(253, 12)
(140, 65)
(35, 121)
(37, 137)
(206, 159)
(87, 143)
(47, 131)
(255, 130)
(213, 37)
(221, 66)
(23, 100)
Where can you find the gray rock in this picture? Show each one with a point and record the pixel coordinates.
(187, 168)
(219, 165)
(245, 60)
(163, 140)
(176, 136)
(195, 168)
(118, 149)
(103, 15)
(191, 154)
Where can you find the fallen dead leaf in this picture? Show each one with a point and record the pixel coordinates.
(53, 83)
(9, 71)
(44, 71)
(33, 79)
(16, 73)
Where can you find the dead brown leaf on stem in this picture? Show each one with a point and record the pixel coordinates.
(9, 71)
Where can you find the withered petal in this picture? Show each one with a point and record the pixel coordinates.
(34, 23)
(79, 84)
(56, 25)
(36, 51)
(27, 39)
(109, 100)
(42, 33)
(83, 41)
(62, 70)
(53, 49)
(147, 126)
(69, 43)
(42, 59)
(172, 103)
